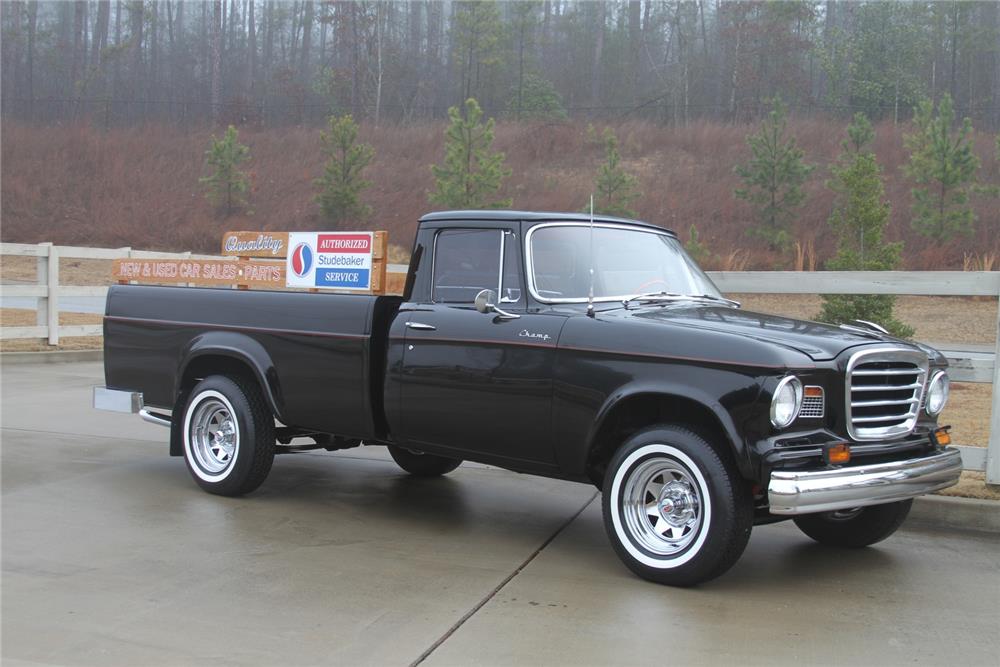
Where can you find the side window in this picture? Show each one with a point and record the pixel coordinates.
(466, 261)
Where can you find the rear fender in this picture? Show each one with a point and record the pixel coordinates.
(230, 347)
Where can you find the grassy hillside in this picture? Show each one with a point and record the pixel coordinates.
(139, 187)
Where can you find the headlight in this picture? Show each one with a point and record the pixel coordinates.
(937, 393)
(786, 402)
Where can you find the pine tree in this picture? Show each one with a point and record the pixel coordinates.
(341, 184)
(696, 248)
(615, 188)
(226, 185)
(773, 178)
(943, 165)
(859, 219)
(471, 174)
(476, 33)
(536, 99)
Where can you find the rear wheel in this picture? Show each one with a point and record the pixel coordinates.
(228, 435)
(422, 465)
(855, 528)
(676, 513)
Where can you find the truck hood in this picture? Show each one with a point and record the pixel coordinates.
(821, 342)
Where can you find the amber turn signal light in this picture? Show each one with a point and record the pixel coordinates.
(838, 454)
(813, 392)
(942, 436)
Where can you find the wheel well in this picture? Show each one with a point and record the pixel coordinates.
(214, 364)
(644, 410)
(200, 368)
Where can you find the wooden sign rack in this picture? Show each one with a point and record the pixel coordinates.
(251, 260)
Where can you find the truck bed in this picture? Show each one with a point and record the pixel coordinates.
(319, 356)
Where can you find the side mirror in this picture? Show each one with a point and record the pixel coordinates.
(486, 301)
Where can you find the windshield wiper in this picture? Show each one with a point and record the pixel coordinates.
(675, 296)
(720, 299)
(656, 296)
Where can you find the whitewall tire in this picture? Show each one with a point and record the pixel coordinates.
(675, 511)
(228, 435)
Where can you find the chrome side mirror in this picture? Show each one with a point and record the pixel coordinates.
(486, 303)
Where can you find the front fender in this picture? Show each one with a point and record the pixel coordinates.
(238, 348)
(671, 390)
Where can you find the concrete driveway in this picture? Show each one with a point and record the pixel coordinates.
(112, 556)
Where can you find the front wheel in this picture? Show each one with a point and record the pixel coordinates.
(228, 435)
(422, 465)
(855, 528)
(675, 511)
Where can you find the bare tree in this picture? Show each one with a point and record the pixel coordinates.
(216, 61)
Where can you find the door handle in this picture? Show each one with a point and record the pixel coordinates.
(419, 326)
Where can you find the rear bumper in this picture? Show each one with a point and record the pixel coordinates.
(117, 400)
(805, 492)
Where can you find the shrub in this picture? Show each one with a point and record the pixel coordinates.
(226, 185)
(341, 184)
(859, 218)
(943, 165)
(471, 173)
(773, 179)
(615, 188)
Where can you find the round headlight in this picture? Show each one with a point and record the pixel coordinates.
(937, 393)
(786, 402)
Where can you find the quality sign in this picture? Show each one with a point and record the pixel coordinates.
(330, 260)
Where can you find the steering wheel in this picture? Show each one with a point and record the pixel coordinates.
(643, 288)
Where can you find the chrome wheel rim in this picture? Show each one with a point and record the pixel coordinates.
(662, 506)
(213, 436)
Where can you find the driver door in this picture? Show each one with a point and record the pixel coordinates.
(475, 384)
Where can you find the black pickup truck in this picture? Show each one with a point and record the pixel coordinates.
(596, 350)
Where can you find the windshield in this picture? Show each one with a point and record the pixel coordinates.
(626, 261)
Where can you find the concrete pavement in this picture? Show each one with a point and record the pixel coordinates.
(112, 556)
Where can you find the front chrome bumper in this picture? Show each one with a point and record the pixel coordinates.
(804, 492)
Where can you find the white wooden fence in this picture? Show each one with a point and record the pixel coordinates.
(967, 365)
(47, 289)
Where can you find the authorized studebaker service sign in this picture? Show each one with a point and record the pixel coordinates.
(331, 260)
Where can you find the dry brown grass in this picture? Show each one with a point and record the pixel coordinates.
(15, 269)
(936, 319)
(972, 485)
(968, 413)
(139, 186)
(41, 345)
(734, 260)
(805, 255)
(987, 261)
(20, 317)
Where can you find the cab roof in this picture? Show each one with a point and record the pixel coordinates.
(533, 216)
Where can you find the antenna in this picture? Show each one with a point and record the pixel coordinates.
(590, 295)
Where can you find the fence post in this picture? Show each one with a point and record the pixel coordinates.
(53, 290)
(42, 278)
(993, 448)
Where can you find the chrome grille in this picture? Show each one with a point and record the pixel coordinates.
(885, 387)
